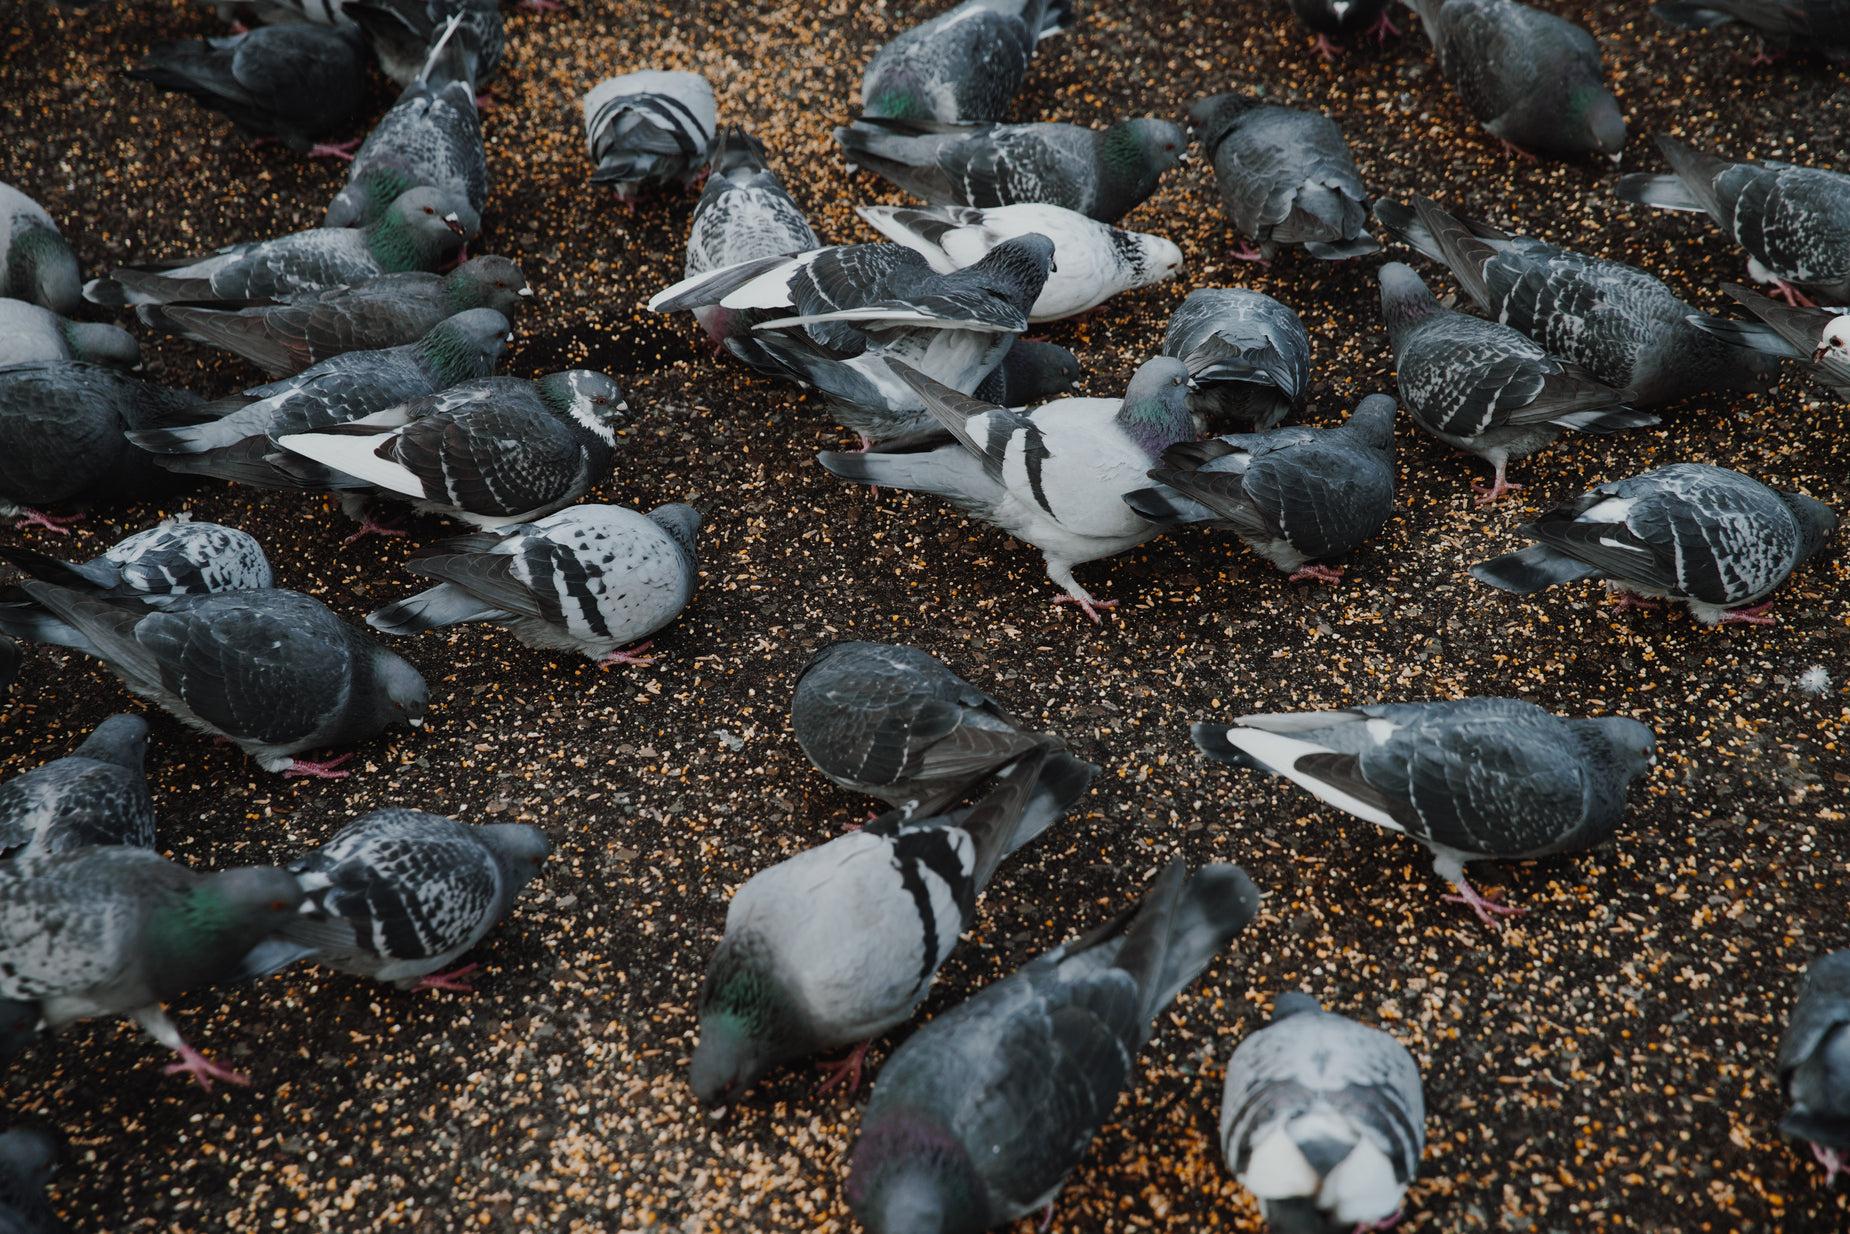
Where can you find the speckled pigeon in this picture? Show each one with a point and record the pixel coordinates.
(27, 1158)
(1031, 373)
(177, 557)
(29, 333)
(1818, 339)
(1814, 1064)
(36, 264)
(1343, 17)
(1802, 27)
(651, 127)
(97, 794)
(962, 65)
(405, 33)
(979, 1118)
(1249, 354)
(1472, 779)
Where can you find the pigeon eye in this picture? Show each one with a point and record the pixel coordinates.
(429, 210)
(600, 400)
(500, 283)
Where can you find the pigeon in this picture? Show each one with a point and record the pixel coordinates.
(1296, 495)
(405, 33)
(418, 232)
(840, 943)
(1623, 326)
(29, 333)
(1817, 27)
(1794, 222)
(97, 794)
(962, 65)
(36, 264)
(1051, 476)
(1814, 1064)
(294, 84)
(1285, 177)
(982, 1114)
(1713, 538)
(176, 558)
(1472, 779)
(1249, 354)
(1817, 338)
(283, 12)
(27, 1158)
(1091, 262)
(1533, 80)
(893, 722)
(1482, 387)
(1343, 17)
(587, 579)
(1031, 372)
(1100, 174)
(651, 127)
(1323, 1120)
(284, 337)
(272, 672)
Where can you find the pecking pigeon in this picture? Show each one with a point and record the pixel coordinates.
(27, 1158)
(1814, 1064)
(651, 127)
(962, 65)
(1471, 779)
(744, 214)
(97, 794)
(1343, 17)
(1031, 372)
(1818, 339)
(405, 35)
(1815, 27)
(175, 558)
(1249, 354)
(36, 264)
(29, 333)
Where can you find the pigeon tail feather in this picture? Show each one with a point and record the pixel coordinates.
(1531, 570)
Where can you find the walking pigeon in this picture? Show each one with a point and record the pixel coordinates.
(36, 264)
(840, 942)
(1249, 354)
(29, 333)
(1471, 779)
(97, 794)
(1482, 387)
(589, 579)
(962, 65)
(651, 127)
(1343, 17)
(1713, 538)
(1323, 1120)
(1814, 1064)
(1296, 495)
(1815, 27)
(1030, 373)
(745, 214)
(175, 558)
(982, 1114)
(27, 1158)
(1818, 339)
(405, 33)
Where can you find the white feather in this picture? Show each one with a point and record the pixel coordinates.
(356, 456)
(1279, 753)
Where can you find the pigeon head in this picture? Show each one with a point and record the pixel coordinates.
(1815, 519)
(1155, 412)
(1293, 1002)
(423, 227)
(1017, 269)
(1139, 151)
(523, 847)
(487, 282)
(1031, 373)
(1153, 258)
(1405, 299)
(122, 740)
(1834, 341)
(1593, 111)
(748, 1023)
(101, 344)
(202, 933)
(41, 268)
(681, 522)
(1372, 422)
(466, 346)
(591, 399)
(1217, 115)
(911, 1176)
(400, 694)
(1627, 746)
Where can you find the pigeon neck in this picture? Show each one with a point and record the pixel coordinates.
(378, 187)
(192, 938)
(400, 248)
(451, 356)
(41, 261)
(1130, 173)
(912, 1176)
(1155, 426)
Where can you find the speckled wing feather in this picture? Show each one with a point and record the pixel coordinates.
(178, 557)
(98, 794)
(63, 427)
(649, 126)
(70, 924)
(745, 212)
(431, 135)
(965, 64)
(1326, 495)
(498, 460)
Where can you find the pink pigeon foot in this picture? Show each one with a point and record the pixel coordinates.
(344, 150)
(628, 657)
(1323, 574)
(1487, 910)
(1046, 1218)
(848, 1069)
(1247, 252)
(370, 526)
(1622, 600)
(1324, 47)
(1755, 616)
(1517, 152)
(319, 771)
(451, 981)
(485, 101)
(1766, 57)
(871, 816)
(1792, 295)
(1498, 487)
(1381, 30)
(1091, 605)
(542, 6)
(1386, 1223)
(1833, 1160)
(204, 1069)
(60, 523)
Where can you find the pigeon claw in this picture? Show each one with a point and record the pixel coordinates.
(1792, 295)
(1386, 1223)
(1381, 30)
(319, 771)
(1324, 47)
(1517, 152)
(1487, 910)
(1755, 616)
(542, 6)
(848, 1068)
(1090, 604)
(629, 657)
(60, 523)
(341, 150)
(1497, 488)
(204, 1069)
(1323, 574)
(1833, 1160)
(1247, 252)
(370, 526)
(1622, 600)
(451, 981)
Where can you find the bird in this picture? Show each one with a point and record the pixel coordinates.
(283, 12)
(1814, 27)
(405, 34)
(1343, 17)
(29, 333)
(174, 558)
(588, 579)
(1814, 1064)
(1713, 538)
(964, 64)
(36, 262)
(1285, 176)
(1101, 173)
(841, 942)
(1249, 355)
(1323, 1120)
(983, 1113)
(273, 672)
(652, 127)
(96, 794)
(1032, 371)
(1295, 495)
(1483, 387)
(27, 1158)
(1818, 339)
(1472, 779)
(1051, 476)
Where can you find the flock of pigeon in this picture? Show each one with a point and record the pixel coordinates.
(382, 336)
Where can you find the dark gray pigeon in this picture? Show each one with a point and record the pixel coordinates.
(840, 943)
(588, 579)
(29, 333)
(1620, 324)
(1482, 387)
(1249, 354)
(1323, 1120)
(1713, 538)
(1800, 27)
(97, 794)
(962, 65)
(1296, 495)
(1285, 177)
(1814, 1064)
(178, 557)
(405, 33)
(651, 127)
(1341, 18)
(1818, 339)
(1474, 779)
(27, 1158)
(36, 264)
(273, 672)
(980, 1117)
(1031, 372)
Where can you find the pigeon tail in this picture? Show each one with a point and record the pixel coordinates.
(1531, 570)
(1180, 927)
(950, 472)
(1664, 192)
(1212, 740)
(1165, 507)
(1061, 781)
(98, 574)
(267, 958)
(442, 605)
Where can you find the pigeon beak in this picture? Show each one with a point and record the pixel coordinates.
(1185, 157)
(524, 291)
(1192, 384)
(453, 223)
(416, 721)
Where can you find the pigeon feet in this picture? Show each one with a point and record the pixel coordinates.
(1324, 47)
(1247, 252)
(204, 1069)
(1497, 488)
(1381, 30)
(451, 981)
(1833, 1160)
(628, 657)
(1517, 152)
(1487, 910)
(871, 816)
(1792, 295)
(370, 526)
(1088, 603)
(848, 1069)
(1755, 616)
(60, 523)
(1622, 600)
(1766, 57)
(319, 771)
(1323, 574)
(343, 150)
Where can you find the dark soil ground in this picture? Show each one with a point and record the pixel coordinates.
(1602, 1063)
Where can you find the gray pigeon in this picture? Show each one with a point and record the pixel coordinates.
(1471, 779)
(651, 127)
(1802, 27)
(983, 1113)
(27, 1158)
(97, 794)
(1814, 1064)
(588, 579)
(36, 264)
(1343, 17)
(1818, 339)
(119, 931)
(1249, 354)
(273, 672)
(1623, 326)
(1031, 372)
(744, 214)
(405, 33)
(1296, 495)
(1480, 386)
(29, 333)
(1713, 538)
(840, 943)
(175, 558)
(962, 65)
(1323, 1120)
(1102, 174)
(1285, 177)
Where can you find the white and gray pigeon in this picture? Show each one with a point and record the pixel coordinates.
(981, 1116)
(27, 1158)
(1343, 17)
(1817, 339)
(651, 127)
(1617, 322)
(1794, 222)
(841, 942)
(1323, 1120)
(1713, 538)
(118, 931)
(1802, 27)
(1248, 353)
(1483, 387)
(1032, 372)
(29, 333)
(1296, 495)
(964, 64)
(1100, 173)
(588, 579)
(1285, 177)
(273, 672)
(1052, 476)
(96, 794)
(176, 557)
(36, 263)
(405, 33)
(1814, 1064)
(1474, 779)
